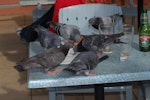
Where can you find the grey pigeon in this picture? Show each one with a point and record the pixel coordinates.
(84, 63)
(68, 32)
(109, 20)
(96, 42)
(47, 38)
(48, 59)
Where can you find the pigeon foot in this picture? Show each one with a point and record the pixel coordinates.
(55, 71)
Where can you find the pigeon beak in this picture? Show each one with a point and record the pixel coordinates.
(71, 41)
(19, 31)
(81, 37)
(19, 68)
(76, 42)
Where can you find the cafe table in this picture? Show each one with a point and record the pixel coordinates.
(112, 70)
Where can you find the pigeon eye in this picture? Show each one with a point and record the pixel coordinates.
(85, 18)
(67, 19)
(76, 18)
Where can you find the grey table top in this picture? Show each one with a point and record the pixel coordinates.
(112, 70)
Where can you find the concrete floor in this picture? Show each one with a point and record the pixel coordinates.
(13, 85)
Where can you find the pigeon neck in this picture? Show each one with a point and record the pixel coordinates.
(65, 49)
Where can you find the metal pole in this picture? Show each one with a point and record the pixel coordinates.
(99, 92)
(140, 8)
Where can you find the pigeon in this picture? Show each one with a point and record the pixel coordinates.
(109, 20)
(27, 34)
(96, 42)
(68, 32)
(47, 38)
(48, 59)
(84, 63)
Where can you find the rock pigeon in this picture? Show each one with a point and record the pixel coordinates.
(27, 34)
(46, 38)
(68, 32)
(48, 59)
(96, 21)
(84, 63)
(96, 42)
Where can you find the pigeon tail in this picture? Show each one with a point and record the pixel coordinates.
(114, 38)
(103, 58)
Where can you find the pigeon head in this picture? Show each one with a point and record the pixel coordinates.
(25, 36)
(95, 22)
(75, 36)
(19, 68)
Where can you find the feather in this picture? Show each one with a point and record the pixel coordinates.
(48, 59)
(68, 32)
(46, 38)
(84, 63)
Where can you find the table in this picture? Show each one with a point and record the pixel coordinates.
(137, 68)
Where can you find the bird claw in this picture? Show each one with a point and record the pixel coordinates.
(90, 74)
(87, 73)
(55, 71)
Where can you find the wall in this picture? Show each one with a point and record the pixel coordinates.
(13, 7)
(108, 1)
(6, 2)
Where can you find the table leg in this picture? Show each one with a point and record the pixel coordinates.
(99, 92)
(52, 95)
(140, 8)
(129, 92)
